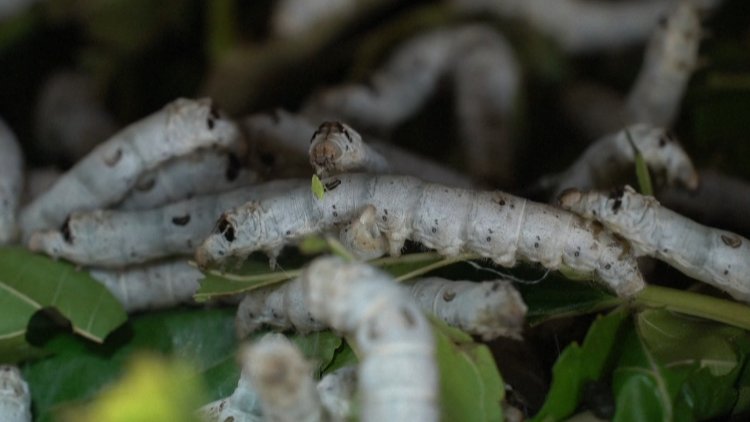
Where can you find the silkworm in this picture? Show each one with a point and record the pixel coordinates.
(716, 257)
(11, 182)
(202, 173)
(495, 225)
(579, 26)
(113, 239)
(70, 119)
(285, 138)
(150, 287)
(398, 376)
(15, 398)
(337, 148)
(608, 158)
(487, 309)
(112, 169)
(671, 57)
(283, 380)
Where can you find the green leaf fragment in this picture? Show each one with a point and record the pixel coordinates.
(318, 189)
(30, 282)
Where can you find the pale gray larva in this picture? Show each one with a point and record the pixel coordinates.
(201, 173)
(579, 26)
(398, 375)
(283, 380)
(149, 287)
(108, 173)
(287, 137)
(488, 309)
(15, 398)
(494, 225)
(716, 257)
(337, 148)
(613, 155)
(114, 239)
(671, 57)
(11, 183)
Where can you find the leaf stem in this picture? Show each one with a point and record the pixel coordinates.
(436, 265)
(694, 304)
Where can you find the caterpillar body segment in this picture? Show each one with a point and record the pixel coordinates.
(113, 239)
(336, 390)
(398, 374)
(337, 148)
(601, 163)
(487, 309)
(150, 287)
(716, 257)
(495, 225)
(112, 169)
(11, 183)
(15, 397)
(202, 173)
(671, 57)
(363, 237)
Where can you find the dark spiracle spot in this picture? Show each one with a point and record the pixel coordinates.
(233, 167)
(210, 123)
(65, 230)
(226, 228)
(181, 220)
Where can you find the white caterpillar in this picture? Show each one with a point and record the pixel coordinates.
(108, 173)
(606, 160)
(398, 376)
(283, 380)
(671, 57)
(15, 398)
(495, 225)
(154, 286)
(109, 238)
(287, 137)
(579, 26)
(197, 174)
(11, 183)
(487, 309)
(69, 119)
(337, 148)
(717, 257)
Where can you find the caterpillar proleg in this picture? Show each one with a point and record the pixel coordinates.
(495, 225)
(205, 172)
(11, 183)
(15, 398)
(487, 309)
(671, 57)
(108, 173)
(602, 163)
(150, 287)
(283, 380)
(110, 238)
(716, 257)
(398, 376)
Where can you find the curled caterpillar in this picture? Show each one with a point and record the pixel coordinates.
(601, 164)
(197, 174)
(716, 257)
(15, 398)
(495, 225)
(113, 239)
(671, 57)
(487, 309)
(285, 137)
(108, 173)
(398, 376)
(150, 287)
(337, 148)
(11, 182)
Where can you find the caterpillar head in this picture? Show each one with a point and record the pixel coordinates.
(237, 233)
(202, 119)
(336, 148)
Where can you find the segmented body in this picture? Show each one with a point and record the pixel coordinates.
(15, 398)
(495, 225)
(11, 183)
